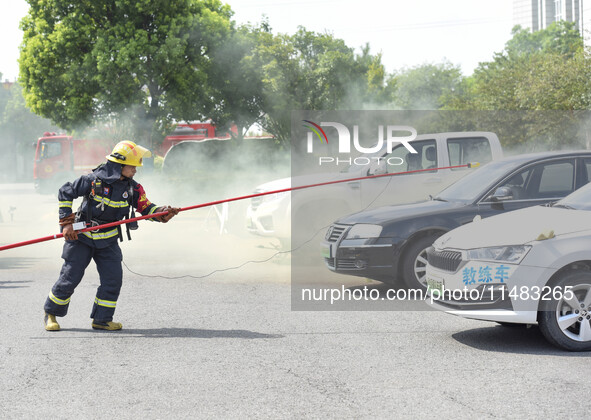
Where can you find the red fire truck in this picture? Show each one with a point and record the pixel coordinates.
(60, 158)
(193, 132)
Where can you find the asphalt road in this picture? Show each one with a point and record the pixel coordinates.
(230, 346)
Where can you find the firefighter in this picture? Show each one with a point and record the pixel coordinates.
(109, 194)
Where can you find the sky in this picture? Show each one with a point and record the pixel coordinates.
(408, 33)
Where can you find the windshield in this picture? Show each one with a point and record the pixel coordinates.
(470, 187)
(578, 200)
(50, 149)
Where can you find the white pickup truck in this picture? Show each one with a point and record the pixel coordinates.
(271, 215)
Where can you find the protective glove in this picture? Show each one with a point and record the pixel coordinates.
(67, 228)
(172, 211)
(69, 233)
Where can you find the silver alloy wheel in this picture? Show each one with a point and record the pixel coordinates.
(574, 315)
(420, 267)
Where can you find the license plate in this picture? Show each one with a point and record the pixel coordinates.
(434, 286)
(326, 250)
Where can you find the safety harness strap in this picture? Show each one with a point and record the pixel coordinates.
(131, 213)
(97, 189)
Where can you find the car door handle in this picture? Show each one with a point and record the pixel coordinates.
(354, 185)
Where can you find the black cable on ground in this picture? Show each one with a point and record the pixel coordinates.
(252, 261)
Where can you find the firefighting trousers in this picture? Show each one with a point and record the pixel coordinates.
(77, 256)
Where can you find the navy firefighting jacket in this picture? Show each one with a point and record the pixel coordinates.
(109, 205)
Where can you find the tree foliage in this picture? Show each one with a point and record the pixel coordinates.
(86, 60)
(426, 86)
(537, 72)
(543, 70)
(311, 71)
(237, 79)
(152, 62)
(19, 128)
(558, 38)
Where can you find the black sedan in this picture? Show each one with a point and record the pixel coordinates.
(389, 243)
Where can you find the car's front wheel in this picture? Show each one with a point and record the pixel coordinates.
(565, 319)
(414, 262)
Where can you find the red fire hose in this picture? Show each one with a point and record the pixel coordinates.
(227, 200)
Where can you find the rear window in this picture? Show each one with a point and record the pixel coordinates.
(425, 158)
(469, 150)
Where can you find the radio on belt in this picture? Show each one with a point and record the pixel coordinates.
(79, 225)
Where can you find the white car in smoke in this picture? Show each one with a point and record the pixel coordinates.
(530, 266)
(271, 215)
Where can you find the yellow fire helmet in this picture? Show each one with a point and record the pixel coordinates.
(128, 153)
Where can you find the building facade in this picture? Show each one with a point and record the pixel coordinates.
(538, 14)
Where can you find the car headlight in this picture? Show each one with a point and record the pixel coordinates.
(512, 254)
(364, 231)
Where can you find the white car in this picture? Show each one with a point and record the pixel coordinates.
(529, 266)
(271, 215)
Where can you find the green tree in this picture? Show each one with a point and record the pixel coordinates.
(21, 124)
(547, 70)
(426, 86)
(19, 128)
(380, 87)
(237, 80)
(543, 70)
(560, 38)
(150, 60)
(311, 71)
(4, 96)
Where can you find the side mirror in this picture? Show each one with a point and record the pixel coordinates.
(502, 194)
